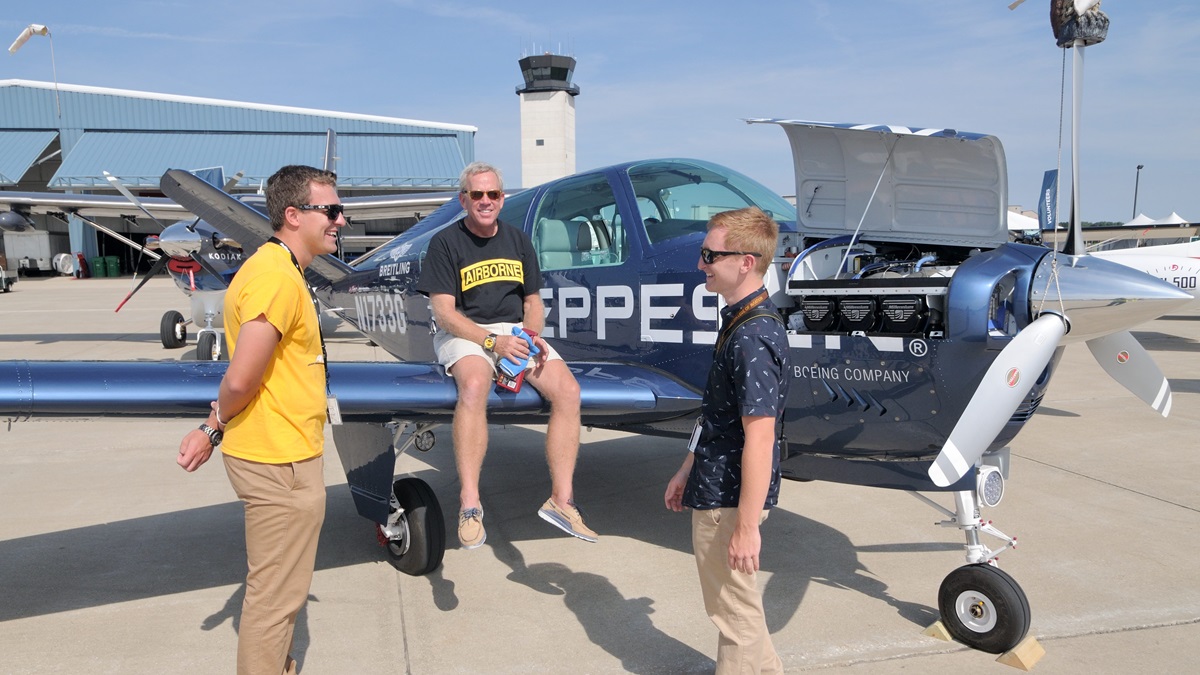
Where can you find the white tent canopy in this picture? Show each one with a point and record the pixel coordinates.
(1173, 219)
(1019, 221)
(1141, 221)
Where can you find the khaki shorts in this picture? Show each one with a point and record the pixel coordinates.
(450, 348)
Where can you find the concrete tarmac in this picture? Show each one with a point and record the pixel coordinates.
(114, 560)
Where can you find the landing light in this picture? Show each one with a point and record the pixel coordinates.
(989, 486)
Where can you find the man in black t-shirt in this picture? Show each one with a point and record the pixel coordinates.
(482, 279)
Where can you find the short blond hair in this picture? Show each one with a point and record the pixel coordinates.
(749, 230)
(476, 168)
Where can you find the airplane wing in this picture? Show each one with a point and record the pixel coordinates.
(373, 207)
(414, 205)
(611, 394)
(92, 206)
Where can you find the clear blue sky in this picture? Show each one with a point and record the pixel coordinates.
(675, 77)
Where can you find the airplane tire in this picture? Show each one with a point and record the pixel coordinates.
(172, 330)
(206, 347)
(425, 528)
(984, 608)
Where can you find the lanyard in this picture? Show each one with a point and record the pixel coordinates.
(316, 307)
(727, 331)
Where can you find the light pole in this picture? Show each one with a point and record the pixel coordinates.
(1136, 179)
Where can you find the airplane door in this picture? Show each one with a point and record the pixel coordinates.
(585, 254)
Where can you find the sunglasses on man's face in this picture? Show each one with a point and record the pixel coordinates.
(476, 195)
(710, 256)
(332, 211)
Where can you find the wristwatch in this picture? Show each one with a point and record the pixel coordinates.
(215, 436)
(489, 342)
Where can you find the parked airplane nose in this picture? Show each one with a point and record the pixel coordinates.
(179, 241)
(1101, 297)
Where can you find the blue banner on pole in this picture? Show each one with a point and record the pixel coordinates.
(1048, 201)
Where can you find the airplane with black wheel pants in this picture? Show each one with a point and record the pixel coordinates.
(922, 340)
(200, 259)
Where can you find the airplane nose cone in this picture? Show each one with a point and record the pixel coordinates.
(1101, 297)
(179, 241)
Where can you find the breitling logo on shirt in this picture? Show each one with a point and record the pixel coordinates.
(488, 271)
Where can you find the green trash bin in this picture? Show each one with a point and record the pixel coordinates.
(98, 267)
(113, 266)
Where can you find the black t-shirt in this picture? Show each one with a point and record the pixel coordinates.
(488, 277)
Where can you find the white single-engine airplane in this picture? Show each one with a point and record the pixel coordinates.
(200, 260)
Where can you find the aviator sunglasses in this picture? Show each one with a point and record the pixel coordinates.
(710, 256)
(332, 211)
(476, 195)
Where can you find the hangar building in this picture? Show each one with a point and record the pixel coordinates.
(62, 137)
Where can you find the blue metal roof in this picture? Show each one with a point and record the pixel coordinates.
(19, 150)
(140, 158)
(138, 135)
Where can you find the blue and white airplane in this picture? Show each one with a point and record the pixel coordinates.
(922, 340)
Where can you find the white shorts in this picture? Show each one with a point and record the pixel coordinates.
(450, 348)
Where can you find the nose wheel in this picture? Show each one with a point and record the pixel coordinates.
(984, 608)
(172, 330)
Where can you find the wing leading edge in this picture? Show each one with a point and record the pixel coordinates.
(611, 394)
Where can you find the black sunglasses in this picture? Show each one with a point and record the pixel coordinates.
(332, 211)
(476, 195)
(710, 256)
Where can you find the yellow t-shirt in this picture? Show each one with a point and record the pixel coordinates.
(285, 421)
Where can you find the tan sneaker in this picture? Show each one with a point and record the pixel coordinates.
(470, 528)
(569, 520)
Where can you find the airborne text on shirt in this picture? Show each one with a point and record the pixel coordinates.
(488, 271)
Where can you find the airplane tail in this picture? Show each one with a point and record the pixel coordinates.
(232, 217)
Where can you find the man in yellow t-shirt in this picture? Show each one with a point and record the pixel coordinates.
(270, 413)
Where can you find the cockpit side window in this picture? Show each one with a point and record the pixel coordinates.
(575, 226)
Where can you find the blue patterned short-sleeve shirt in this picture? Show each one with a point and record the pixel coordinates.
(748, 378)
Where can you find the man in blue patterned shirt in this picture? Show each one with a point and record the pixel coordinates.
(730, 479)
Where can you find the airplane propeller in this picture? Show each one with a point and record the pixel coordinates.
(1127, 362)
(1004, 386)
(232, 182)
(154, 269)
(1119, 354)
(178, 245)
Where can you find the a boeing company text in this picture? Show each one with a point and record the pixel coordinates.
(850, 374)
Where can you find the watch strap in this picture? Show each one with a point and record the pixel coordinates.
(215, 436)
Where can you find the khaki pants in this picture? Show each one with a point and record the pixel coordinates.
(285, 507)
(731, 598)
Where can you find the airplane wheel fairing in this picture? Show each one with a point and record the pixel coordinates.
(984, 608)
(172, 330)
(421, 550)
(206, 347)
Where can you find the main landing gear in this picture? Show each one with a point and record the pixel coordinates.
(980, 605)
(415, 533)
(209, 345)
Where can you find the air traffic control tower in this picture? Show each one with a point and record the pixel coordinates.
(547, 118)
